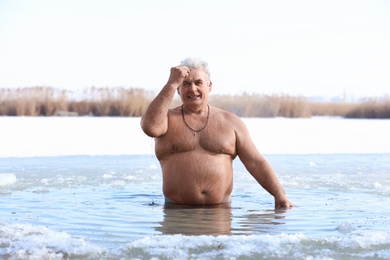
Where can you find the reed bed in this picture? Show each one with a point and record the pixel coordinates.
(132, 102)
(47, 101)
(371, 108)
(256, 105)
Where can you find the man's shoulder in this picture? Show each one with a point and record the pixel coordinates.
(225, 114)
(174, 110)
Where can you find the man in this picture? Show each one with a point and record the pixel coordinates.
(197, 143)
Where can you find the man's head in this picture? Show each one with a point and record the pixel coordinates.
(197, 85)
(196, 63)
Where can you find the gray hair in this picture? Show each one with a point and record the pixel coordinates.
(196, 63)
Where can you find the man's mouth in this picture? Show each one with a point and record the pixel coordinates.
(193, 97)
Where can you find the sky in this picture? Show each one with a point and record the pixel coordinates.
(309, 48)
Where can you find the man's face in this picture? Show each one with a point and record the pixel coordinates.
(195, 88)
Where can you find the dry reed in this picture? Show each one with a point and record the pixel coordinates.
(47, 101)
(255, 105)
(371, 108)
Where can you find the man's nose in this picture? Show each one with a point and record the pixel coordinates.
(192, 87)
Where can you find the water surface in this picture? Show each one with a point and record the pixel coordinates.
(87, 207)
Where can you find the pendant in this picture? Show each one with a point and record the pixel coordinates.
(194, 133)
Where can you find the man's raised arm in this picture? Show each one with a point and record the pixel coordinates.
(154, 121)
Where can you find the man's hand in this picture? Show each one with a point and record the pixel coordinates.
(282, 203)
(178, 74)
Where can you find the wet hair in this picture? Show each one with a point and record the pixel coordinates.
(196, 63)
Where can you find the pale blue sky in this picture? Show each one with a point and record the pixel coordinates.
(268, 47)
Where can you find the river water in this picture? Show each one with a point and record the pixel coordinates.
(87, 188)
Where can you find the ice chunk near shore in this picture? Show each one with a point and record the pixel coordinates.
(25, 241)
(7, 179)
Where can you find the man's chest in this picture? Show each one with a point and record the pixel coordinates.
(212, 139)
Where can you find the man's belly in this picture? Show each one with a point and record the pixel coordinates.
(190, 178)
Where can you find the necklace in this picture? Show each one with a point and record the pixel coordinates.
(195, 131)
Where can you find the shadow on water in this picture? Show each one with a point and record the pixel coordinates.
(216, 220)
(257, 221)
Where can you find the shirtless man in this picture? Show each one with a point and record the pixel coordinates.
(197, 143)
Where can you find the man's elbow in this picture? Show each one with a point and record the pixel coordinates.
(151, 130)
(148, 130)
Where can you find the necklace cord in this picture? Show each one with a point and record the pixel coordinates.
(185, 122)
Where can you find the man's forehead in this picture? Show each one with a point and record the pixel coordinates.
(197, 74)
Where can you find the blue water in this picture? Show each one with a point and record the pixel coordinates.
(111, 207)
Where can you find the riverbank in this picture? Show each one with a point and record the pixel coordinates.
(54, 136)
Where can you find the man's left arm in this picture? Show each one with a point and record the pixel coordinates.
(258, 166)
(262, 171)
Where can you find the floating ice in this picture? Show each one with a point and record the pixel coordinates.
(345, 227)
(45, 181)
(153, 166)
(118, 183)
(264, 246)
(312, 164)
(7, 179)
(107, 176)
(24, 241)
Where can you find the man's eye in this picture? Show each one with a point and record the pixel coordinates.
(186, 83)
(199, 83)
